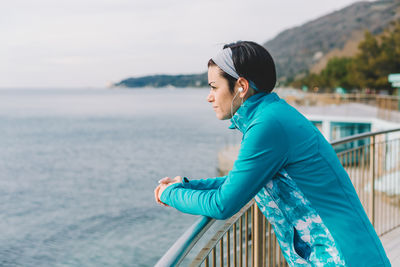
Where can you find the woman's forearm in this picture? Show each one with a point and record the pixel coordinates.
(205, 184)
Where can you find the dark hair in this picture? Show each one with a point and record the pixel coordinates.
(252, 62)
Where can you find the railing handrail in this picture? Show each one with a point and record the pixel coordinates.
(361, 136)
(186, 241)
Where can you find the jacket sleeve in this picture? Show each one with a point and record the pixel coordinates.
(205, 184)
(263, 152)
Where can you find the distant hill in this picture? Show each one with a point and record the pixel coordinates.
(298, 49)
(192, 80)
(304, 48)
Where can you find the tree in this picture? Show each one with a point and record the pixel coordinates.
(336, 73)
(363, 71)
(377, 57)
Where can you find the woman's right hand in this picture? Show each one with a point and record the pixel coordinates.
(163, 184)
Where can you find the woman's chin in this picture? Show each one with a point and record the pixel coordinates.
(219, 116)
(222, 116)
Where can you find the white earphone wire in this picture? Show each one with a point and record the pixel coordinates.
(239, 91)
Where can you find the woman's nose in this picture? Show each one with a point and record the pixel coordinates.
(210, 97)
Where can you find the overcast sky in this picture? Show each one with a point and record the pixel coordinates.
(87, 43)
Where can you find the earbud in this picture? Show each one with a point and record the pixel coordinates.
(240, 89)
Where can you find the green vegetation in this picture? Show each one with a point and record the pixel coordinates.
(192, 80)
(378, 56)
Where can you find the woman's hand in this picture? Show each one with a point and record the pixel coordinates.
(163, 184)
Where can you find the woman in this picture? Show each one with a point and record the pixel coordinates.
(285, 163)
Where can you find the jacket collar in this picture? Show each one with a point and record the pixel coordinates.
(245, 114)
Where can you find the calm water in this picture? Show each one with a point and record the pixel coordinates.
(78, 169)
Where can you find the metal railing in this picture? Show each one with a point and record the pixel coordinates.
(372, 161)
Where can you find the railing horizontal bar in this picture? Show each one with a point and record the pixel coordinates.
(182, 246)
(361, 136)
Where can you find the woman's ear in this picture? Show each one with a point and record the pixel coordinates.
(244, 84)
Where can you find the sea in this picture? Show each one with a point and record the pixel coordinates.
(78, 168)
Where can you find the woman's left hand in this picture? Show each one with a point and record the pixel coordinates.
(163, 184)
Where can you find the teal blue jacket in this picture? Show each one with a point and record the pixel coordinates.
(299, 184)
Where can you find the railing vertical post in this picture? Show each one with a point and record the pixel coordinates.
(241, 241)
(214, 257)
(252, 234)
(221, 252)
(264, 244)
(372, 207)
(258, 236)
(228, 248)
(246, 238)
(234, 245)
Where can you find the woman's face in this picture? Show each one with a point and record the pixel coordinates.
(220, 97)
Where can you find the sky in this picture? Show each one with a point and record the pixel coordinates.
(90, 43)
